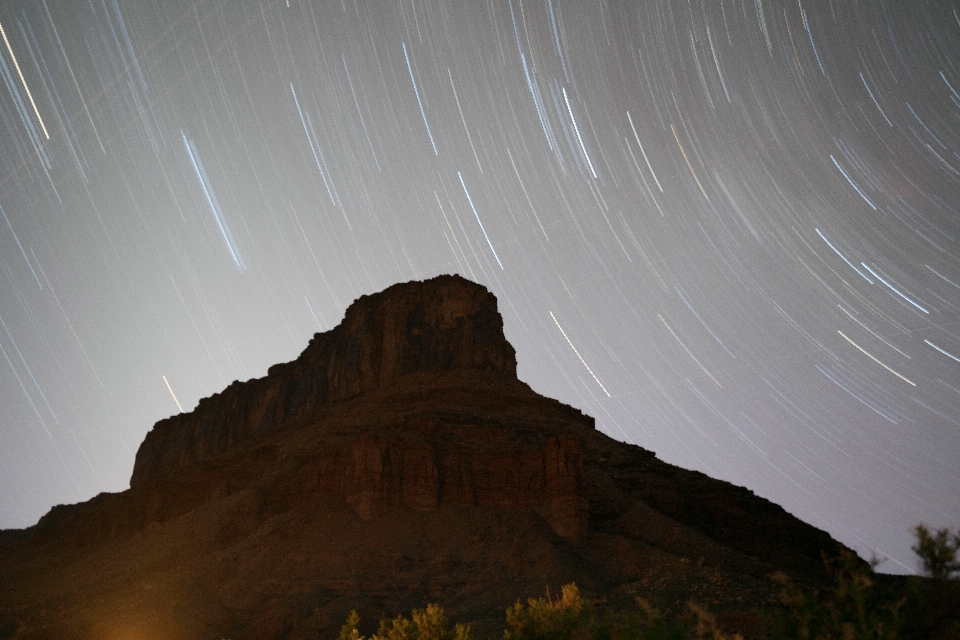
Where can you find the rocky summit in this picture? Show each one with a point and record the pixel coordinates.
(397, 461)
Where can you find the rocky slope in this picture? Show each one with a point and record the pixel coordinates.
(397, 461)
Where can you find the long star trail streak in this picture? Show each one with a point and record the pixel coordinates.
(874, 334)
(466, 129)
(697, 315)
(312, 313)
(645, 159)
(872, 357)
(853, 184)
(46, 431)
(582, 361)
(813, 45)
(689, 353)
(687, 160)
(943, 277)
(172, 394)
(454, 236)
(893, 288)
(25, 117)
(597, 130)
(23, 361)
(579, 137)
(213, 203)
(950, 86)
(318, 158)
(70, 324)
(20, 246)
(872, 97)
(23, 80)
(843, 257)
(944, 352)
(26, 393)
(526, 195)
(73, 77)
(416, 91)
(359, 112)
(474, 209)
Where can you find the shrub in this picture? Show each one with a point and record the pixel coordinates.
(857, 608)
(707, 624)
(424, 624)
(349, 629)
(545, 619)
(644, 623)
(938, 552)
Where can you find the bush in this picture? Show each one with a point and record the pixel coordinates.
(349, 630)
(545, 619)
(424, 624)
(645, 623)
(938, 552)
(856, 609)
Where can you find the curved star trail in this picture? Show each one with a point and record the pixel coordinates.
(744, 215)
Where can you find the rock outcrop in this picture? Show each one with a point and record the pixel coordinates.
(376, 474)
(397, 461)
(443, 325)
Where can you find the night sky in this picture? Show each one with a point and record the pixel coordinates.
(726, 229)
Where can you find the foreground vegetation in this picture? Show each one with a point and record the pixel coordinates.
(861, 605)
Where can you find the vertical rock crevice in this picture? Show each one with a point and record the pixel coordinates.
(378, 474)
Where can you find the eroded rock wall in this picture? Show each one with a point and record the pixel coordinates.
(378, 473)
(442, 324)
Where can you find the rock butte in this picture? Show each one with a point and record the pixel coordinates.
(397, 461)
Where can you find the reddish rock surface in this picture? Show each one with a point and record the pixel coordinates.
(397, 461)
(440, 325)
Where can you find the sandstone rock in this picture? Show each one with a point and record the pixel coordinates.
(445, 324)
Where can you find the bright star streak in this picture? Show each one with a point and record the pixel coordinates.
(576, 129)
(892, 288)
(417, 92)
(20, 73)
(470, 200)
(578, 355)
(853, 184)
(946, 353)
(172, 394)
(837, 251)
(866, 353)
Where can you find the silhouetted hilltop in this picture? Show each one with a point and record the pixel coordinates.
(396, 461)
(444, 324)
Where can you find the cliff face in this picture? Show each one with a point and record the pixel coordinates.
(397, 461)
(445, 324)
(376, 474)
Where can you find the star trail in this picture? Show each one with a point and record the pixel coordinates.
(744, 214)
